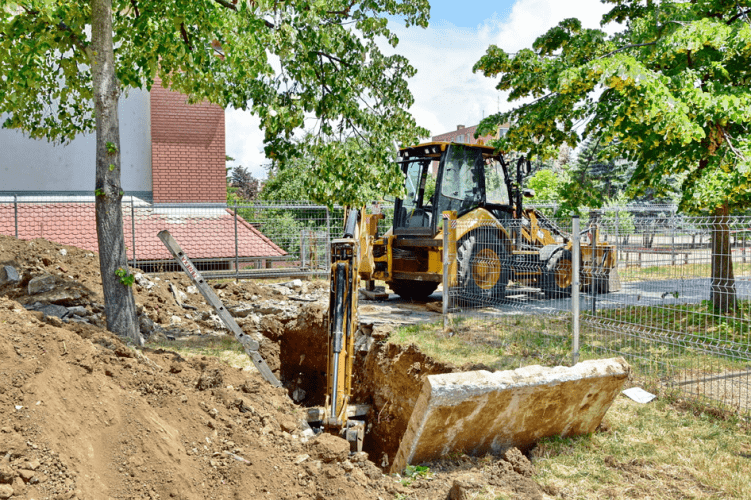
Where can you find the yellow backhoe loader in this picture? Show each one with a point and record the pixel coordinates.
(497, 239)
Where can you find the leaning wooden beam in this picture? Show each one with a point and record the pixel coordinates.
(250, 345)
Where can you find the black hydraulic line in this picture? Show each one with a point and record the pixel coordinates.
(341, 277)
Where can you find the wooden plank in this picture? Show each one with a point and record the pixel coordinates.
(250, 345)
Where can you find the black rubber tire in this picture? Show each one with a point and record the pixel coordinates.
(483, 268)
(558, 276)
(413, 289)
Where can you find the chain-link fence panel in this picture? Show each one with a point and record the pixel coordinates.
(682, 316)
(254, 239)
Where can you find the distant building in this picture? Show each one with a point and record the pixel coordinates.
(171, 152)
(466, 135)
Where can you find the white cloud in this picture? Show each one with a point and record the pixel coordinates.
(244, 141)
(446, 91)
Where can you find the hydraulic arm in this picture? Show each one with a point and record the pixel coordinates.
(345, 283)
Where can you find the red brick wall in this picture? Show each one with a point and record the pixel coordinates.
(187, 149)
(468, 137)
(467, 132)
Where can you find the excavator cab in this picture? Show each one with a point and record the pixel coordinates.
(413, 214)
(464, 173)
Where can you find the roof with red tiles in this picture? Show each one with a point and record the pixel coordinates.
(208, 235)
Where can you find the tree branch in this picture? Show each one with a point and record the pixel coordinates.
(343, 12)
(74, 38)
(738, 16)
(730, 143)
(135, 8)
(626, 48)
(232, 6)
(333, 58)
(227, 5)
(185, 37)
(83, 46)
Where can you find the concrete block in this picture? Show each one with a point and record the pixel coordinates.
(482, 412)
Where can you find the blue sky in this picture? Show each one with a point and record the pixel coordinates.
(468, 14)
(446, 91)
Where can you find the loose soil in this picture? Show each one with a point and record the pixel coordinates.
(85, 416)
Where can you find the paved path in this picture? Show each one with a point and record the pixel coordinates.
(521, 300)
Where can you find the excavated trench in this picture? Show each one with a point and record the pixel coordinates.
(388, 376)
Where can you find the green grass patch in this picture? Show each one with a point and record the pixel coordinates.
(499, 344)
(694, 322)
(657, 450)
(667, 272)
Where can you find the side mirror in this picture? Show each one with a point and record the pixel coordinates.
(528, 193)
(527, 167)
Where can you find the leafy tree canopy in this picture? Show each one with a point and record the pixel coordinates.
(546, 185)
(309, 177)
(296, 64)
(242, 185)
(669, 91)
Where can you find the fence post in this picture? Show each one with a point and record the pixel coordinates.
(617, 235)
(328, 237)
(672, 238)
(594, 281)
(237, 248)
(133, 228)
(303, 253)
(15, 212)
(575, 253)
(449, 253)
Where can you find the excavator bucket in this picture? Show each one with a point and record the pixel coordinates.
(482, 412)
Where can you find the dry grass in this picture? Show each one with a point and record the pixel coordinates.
(225, 348)
(657, 450)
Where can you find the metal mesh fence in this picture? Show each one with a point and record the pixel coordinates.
(682, 315)
(505, 294)
(669, 293)
(256, 239)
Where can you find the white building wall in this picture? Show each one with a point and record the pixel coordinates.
(38, 165)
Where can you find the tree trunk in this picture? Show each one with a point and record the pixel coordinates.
(119, 305)
(723, 281)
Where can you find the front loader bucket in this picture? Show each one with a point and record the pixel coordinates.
(614, 280)
(482, 412)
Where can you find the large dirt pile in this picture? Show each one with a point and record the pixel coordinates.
(83, 416)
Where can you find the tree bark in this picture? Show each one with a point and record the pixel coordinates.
(119, 305)
(723, 281)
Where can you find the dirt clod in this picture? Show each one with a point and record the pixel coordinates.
(329, 448)
(519, 462)
(464, 486)
(209, 379)
(6, 491)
